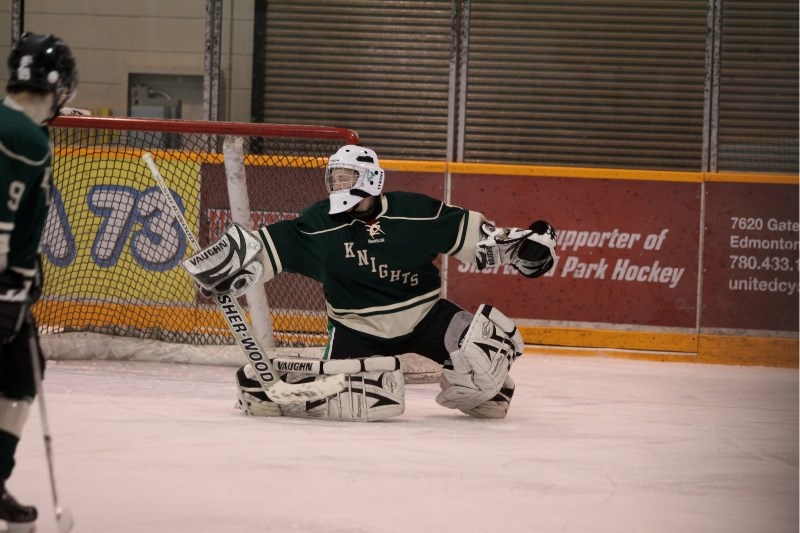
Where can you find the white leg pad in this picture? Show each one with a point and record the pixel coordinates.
(479, 368)
(375, 389)
(496, 407)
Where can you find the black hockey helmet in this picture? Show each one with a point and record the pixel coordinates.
(43, 63)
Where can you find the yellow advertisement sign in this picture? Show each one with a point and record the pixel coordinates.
(110, 234)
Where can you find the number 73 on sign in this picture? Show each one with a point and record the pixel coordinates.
(122, 218)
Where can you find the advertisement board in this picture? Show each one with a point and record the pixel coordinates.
(750, 260)
(627, 250)
(113, 227)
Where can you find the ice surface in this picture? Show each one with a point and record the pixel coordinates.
(590, 445)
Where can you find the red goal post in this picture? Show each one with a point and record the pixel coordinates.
(111, 257)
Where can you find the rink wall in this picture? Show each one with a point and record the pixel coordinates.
(667, 265)
(673, 266)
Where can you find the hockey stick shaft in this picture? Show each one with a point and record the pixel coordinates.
(277, 390)
(64, 518)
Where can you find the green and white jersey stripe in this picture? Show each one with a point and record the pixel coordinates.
(379, 277)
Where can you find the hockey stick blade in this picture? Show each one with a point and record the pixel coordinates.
(64, 520)
(276, 389)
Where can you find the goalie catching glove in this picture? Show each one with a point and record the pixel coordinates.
(531, 251)
(229, 265)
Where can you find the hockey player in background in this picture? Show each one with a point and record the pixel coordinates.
(42, 78)
(373, 252)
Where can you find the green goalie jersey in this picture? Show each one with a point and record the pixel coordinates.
(24, 187)
(378, 277)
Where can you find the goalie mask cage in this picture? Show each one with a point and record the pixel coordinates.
(111, 251)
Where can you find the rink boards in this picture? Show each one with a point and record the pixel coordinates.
(699, 264)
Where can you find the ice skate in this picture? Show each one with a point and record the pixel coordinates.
(19, 518)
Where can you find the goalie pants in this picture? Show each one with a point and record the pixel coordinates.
(16, 383)
(427, 339)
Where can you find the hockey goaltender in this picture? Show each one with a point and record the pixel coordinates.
(373, 253)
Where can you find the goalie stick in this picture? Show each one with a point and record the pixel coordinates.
(277, 390)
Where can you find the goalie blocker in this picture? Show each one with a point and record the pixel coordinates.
(229, 265)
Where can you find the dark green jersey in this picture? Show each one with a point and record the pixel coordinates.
(378, 277)
(24, 187)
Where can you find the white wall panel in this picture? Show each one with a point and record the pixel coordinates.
(115, 37)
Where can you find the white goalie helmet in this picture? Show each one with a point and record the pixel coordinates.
(352, 174)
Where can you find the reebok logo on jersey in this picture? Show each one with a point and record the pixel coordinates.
(374, 230)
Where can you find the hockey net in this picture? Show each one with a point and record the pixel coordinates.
(111, 263)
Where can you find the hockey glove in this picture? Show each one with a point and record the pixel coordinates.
(13, 304)
(229, 265)
(531, 251)
(536, 254)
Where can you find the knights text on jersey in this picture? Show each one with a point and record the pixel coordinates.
(24, 186)
(379, 278)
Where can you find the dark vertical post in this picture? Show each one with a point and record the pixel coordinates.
(259, 71)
